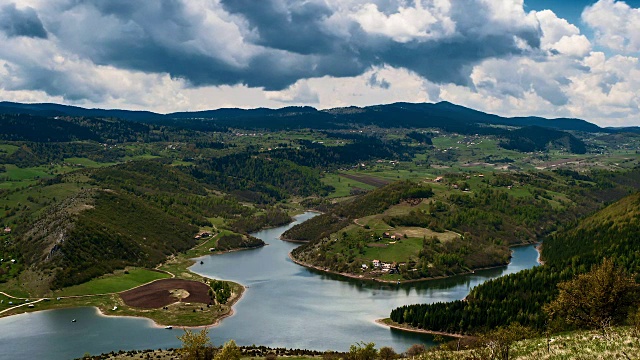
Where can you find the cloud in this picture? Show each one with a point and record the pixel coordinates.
(374, 81)
(298, 93)
(21, 22)
(274, 43)
(177, 55)
(616, 24)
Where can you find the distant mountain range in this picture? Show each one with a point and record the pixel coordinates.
(441, 115)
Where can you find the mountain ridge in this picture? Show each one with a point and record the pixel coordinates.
(409, 114)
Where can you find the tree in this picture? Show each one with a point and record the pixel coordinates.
(230, 351)
(415, 350)
(387, 353)
(597, 299)
(500, 340)
(362, 351)
(196, 345)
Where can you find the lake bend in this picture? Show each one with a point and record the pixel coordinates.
(284, 305)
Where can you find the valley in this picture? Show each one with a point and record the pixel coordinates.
(97, 209)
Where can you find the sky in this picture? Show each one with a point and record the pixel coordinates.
(550, 58)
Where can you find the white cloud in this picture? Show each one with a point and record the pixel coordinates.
(421, 22)
(561, 36)
(616, 25)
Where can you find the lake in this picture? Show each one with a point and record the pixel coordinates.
(285, 305)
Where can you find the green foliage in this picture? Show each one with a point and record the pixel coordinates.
(498, 342)
(258, 178)
(271, 218)
(362, 351)
(196, 345)
(230, 351)
(343, 213)
(520, 297)
(535, 138)
(363, 148)
(237, 241)
(31, 154)
(221, 291)
(121, 230)
(598, 299)
(387, 353)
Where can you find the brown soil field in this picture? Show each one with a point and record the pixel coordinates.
(162, 293)
(365, 179)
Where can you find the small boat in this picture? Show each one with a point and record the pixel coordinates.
(169, 327)
(74, 320)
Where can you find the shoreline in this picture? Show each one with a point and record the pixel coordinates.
(216, 322)
(388, 323)
(357, 277)
(538, 248)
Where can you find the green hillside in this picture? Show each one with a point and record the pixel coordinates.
(611, 232)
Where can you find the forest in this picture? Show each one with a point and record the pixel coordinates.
(520, 297)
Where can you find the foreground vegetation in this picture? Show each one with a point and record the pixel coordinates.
(522, 297)
(620, 343)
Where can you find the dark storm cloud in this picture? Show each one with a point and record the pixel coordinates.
(21, 22)
(267, 43)
(297, 28)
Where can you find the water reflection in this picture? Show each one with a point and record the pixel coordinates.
(285, 305)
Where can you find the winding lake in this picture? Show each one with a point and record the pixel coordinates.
(285, 305)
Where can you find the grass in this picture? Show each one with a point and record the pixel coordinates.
(584, 345)
(342, 185)
(400, 251)
(113, 283)
(14, 173)
(86, 162)
(8, 149)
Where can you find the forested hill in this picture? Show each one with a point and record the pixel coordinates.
(443, 114)
(612, 233)
(520, 297)
(58, 123)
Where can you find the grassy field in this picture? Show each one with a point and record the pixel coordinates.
(8, 149)
(118, 282)
(342, 185)
(395, 251)
(86, 162)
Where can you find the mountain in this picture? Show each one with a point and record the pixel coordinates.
(443, 114)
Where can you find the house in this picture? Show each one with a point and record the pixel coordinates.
(376, 263)
(7, 230)
(438, 179)
(364, 267)
(386, 235)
